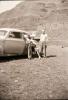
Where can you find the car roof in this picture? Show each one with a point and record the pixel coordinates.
(13, 29)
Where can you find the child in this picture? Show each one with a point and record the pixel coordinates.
(36, 47)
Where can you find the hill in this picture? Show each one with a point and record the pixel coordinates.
(30, 14)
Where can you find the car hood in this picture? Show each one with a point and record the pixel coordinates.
(1, 37)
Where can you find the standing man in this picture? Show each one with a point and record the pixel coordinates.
(28, 42)
(43, 43)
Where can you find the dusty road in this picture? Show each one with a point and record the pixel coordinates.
(36, 79)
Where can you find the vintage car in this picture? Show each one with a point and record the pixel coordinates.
(12, 42)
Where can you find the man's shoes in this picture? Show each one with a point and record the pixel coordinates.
(44, 56)
(39, 57)
(29, 57)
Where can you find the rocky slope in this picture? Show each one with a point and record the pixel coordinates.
(30, 14)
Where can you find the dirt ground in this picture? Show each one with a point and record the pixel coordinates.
(35, 79)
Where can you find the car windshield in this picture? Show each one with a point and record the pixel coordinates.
(3, 33)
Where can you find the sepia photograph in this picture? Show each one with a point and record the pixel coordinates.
(33, 49)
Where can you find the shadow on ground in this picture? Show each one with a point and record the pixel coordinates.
(10, 58)
(51, 56)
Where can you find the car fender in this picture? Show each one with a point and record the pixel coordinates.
(1, 50)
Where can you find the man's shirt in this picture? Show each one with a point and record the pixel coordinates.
(43, 38)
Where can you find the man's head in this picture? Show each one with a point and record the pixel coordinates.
(32, 36)
(43, 31)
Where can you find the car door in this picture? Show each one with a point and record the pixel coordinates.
(14, 43)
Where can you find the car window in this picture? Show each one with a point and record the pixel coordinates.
(3, 32)
(15, 35)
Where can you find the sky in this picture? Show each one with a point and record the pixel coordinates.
(7, 5)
